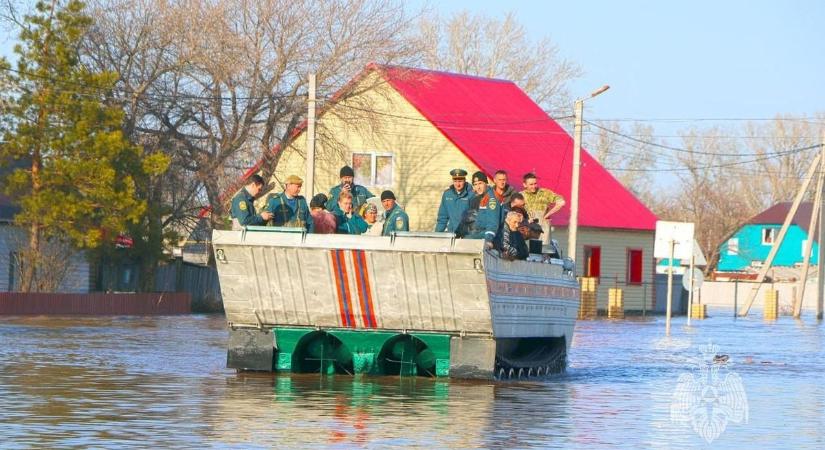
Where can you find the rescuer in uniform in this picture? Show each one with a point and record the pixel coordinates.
(454, 201)
(289, 208)
(486, 209)
(243, 206)
(360, 194)
(395, 219)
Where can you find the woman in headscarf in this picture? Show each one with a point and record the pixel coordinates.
(370, 214)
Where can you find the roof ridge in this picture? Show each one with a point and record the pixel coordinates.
(379, 66)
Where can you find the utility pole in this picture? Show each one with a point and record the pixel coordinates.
(310, 135)
(672, 244)
(809, 243)
(820, 283)
(573, 227)
(690, 294)
(778, 242)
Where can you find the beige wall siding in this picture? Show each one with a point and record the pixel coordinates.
(614, 246)
(76, 280)
(423, 157)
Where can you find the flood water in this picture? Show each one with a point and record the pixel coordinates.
(161, 382)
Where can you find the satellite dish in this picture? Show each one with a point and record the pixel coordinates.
(697, 276)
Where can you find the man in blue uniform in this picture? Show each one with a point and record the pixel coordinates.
(454, 201)
(487, 208)
(360, 194)
(289, 208)
(243, 206)
(395, 219)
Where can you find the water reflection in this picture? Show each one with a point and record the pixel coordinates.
(305, 410)
(162, 382)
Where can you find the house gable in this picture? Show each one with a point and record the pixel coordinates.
(750, 246)
(427, 116)
(499, 127)
(383, 122)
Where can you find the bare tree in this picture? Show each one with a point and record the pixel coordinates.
(486, 46)
(706, 193)
(44, 269)
(626, 159)
(780, 165)
(215, 83)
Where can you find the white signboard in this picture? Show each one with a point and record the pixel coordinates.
(698, 278)
(699, 257)
(679, 233)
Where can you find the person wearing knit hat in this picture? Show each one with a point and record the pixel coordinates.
(289, 208)
(323, 220)
(487, 210)
(454, 201)
(360, 194)
(318, 201)
(479, 177)
(395, 219)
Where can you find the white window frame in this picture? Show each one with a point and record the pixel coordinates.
(374, 167)
(771, 232)
(733, 247)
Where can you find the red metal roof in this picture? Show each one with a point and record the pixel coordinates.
(498, 126)
(775, 215)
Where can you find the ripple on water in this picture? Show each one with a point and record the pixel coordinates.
(140, 382)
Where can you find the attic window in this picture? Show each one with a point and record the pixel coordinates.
(768, 236)
(373, 169)
(733, 246)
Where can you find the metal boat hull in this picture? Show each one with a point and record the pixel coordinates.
(465, 312)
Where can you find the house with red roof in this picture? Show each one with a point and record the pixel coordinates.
(404, 129)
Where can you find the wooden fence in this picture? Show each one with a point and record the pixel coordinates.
(97, 304)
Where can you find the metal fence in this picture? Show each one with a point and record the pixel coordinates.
(96, 304)
(201, 282)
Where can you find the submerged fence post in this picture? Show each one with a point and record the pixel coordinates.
(735, 298)
(644, 299)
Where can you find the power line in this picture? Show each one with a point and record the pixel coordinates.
(84, 89)
(711, 166)
(811, 120)
(683, 150)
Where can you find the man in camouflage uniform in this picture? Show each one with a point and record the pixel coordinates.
(395, 219)
(360, 194)
(243, 206)
(541, 204)
(289, 208)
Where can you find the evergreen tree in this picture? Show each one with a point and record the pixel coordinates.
(80, 181)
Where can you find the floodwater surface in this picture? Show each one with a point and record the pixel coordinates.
(161, 382)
